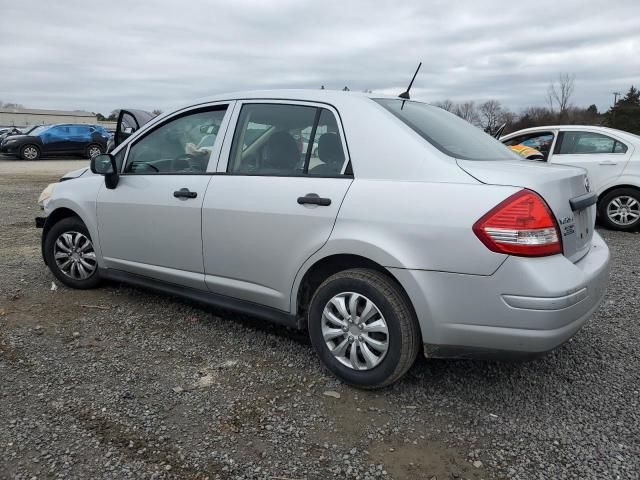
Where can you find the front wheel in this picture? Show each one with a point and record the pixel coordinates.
(30, 152)
(620, 209)
(363, 328)
(70, 254)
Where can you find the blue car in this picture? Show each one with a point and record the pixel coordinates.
(59, 139)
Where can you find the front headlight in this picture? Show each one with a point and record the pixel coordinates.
(44, 197)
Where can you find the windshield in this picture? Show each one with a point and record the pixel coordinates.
(447, 132)
(38, 130)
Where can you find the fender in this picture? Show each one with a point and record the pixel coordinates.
(65, 195)
(626, 179)
(340, 247)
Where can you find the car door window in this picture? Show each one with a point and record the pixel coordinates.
(589, 143)
(286, 140)
(540, 141)
(181, 145)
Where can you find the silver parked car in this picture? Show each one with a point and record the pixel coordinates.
(379, 224)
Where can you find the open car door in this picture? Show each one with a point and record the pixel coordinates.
(128, 122)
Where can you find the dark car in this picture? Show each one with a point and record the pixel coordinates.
(8, 131)
(59, 139)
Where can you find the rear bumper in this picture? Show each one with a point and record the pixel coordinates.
(528, 306)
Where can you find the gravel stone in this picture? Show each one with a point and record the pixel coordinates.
(157, 387)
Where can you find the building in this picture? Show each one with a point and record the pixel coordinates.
(24, 117)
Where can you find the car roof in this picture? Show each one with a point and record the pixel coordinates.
(331, 97)
(314, 95)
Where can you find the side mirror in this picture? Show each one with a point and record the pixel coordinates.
(105, 164)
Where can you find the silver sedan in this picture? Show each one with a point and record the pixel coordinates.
(380, 225)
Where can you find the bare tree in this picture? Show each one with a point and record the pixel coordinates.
(490, 115)
(467, 111)
(561, 92)
(446, 104)
(11, 105)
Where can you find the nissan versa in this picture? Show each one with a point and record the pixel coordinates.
(381, 225)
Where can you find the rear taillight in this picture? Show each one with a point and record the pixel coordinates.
(520, 225)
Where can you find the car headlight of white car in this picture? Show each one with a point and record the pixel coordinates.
(45, 196)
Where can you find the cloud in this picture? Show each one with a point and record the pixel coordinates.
(99, 57)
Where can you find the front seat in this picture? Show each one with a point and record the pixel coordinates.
(281, 154)
(331, 154)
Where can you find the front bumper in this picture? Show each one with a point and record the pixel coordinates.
(10, 149)
(528, 306)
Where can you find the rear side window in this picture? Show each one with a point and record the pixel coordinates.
(286, 140)
(589, 142)
(447, 132)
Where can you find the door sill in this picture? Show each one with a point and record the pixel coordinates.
(207, 298)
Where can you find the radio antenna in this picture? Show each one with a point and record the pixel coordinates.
(405, 95)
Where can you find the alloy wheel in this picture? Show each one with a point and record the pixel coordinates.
(30, 153)
(355, 331)
(74, 255)
(623, 210)
(94, 151)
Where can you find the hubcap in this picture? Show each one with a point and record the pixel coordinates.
(355, 331)
(623, 210)
(94, 152)
(30, 153)
(75, 256)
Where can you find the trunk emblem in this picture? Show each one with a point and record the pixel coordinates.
(587, 185)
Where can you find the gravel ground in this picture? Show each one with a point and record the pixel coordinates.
(50, 167)
(121, 383)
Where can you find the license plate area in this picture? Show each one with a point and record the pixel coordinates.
(584, 221)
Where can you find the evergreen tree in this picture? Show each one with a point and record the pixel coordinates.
(625, 114)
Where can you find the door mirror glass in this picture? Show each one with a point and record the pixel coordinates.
(103, 164)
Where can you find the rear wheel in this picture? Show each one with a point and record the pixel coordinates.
(30, 152)
(620, 209)
(363, 328)
(70, 254)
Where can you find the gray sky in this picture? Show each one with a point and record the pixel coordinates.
(99, 56)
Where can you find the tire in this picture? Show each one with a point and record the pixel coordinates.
(94, 150)
(66, 231)
(402, 338)
(620, 209)
(30, 152)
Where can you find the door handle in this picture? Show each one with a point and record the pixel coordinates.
(185, 193)
(314, 199)
(608, 162)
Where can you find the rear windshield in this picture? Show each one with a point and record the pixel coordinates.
(447, 132)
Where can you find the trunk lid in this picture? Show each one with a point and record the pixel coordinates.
(558, 185)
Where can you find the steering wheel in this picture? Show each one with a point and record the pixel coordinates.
(193, 161)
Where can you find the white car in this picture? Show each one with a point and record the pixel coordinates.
(611, 158)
